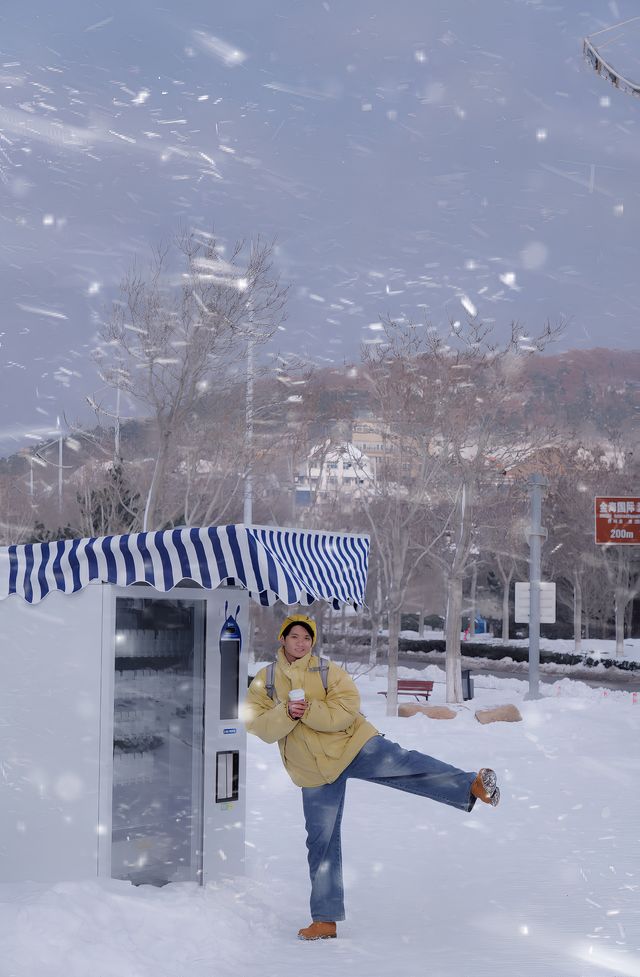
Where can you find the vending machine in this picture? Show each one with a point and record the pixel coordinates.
(123, 736)
(122, 668)
(175, 804)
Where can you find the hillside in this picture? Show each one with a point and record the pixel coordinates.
(592, 393)
(595, 391)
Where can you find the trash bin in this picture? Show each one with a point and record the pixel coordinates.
(467, 684)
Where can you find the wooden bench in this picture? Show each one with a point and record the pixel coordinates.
(419, 689)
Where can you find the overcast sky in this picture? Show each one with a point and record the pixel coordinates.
(413, 159)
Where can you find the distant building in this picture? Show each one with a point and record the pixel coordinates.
(368, 436)
(332, 471)
(391, 457)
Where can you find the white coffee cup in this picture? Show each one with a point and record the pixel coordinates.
(296, 695)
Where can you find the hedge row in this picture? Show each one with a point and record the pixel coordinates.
(475, 649)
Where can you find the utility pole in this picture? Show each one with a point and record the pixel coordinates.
(536, 485)
(59, 465)
(116, 438)
(248, 476)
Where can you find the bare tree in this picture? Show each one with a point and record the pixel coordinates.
(621, 561)
(603, 469)
(460, 398)
(569, 512)
(623, 571)
(503, 539)
(399, 490)
(17, 508)
(178, 330)
(107, 502)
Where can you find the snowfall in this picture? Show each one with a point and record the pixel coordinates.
(547, 883)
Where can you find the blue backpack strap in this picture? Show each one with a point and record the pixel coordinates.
(270, 680)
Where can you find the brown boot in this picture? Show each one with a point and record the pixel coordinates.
(484, 787)
(318, 931)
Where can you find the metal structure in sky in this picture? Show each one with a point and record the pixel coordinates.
(604, 66)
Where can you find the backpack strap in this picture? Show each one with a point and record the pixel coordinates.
(270, 680)
(323, 668)
(269, 684)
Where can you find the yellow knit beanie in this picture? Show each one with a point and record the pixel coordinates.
(299, 619)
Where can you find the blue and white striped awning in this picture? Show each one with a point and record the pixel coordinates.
(291, 565)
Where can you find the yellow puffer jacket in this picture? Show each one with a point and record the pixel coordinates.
(316, 748)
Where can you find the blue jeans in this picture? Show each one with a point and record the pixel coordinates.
(382, 762)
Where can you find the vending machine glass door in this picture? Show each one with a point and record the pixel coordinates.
(158, 740)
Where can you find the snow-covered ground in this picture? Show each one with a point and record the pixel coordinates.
(546, 884)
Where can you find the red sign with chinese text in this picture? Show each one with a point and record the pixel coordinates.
(617, 519)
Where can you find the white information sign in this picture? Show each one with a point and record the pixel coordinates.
(547, 603)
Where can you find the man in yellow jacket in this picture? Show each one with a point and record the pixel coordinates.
(324, 739)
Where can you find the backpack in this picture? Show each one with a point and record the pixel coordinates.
(323, 668)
